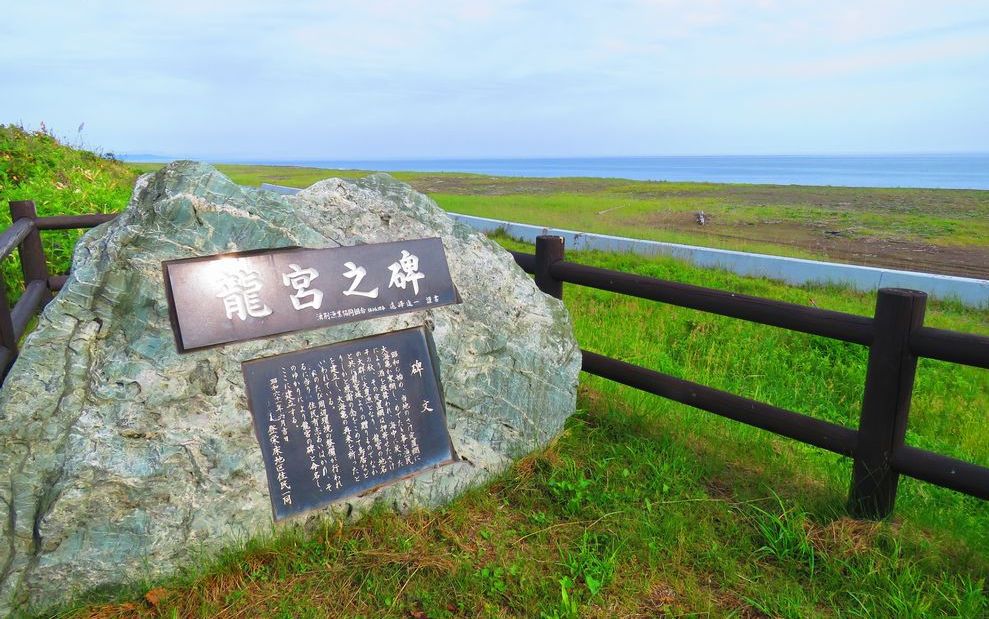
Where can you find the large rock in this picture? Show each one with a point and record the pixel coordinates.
(121, 459)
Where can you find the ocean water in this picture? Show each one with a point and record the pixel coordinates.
(948, 171)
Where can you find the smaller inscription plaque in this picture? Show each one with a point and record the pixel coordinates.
(241, 296)
(339, 420)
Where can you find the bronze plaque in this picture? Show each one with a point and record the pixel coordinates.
(339, 420)
(241, 296)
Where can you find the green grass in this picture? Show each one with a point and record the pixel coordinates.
(920, 229)
(643, 506)
(61, 181)
(616, 519)
(290, 176)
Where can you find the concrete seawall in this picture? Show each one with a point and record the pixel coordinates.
(969, 291)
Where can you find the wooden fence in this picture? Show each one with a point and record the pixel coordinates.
(895, 336)
(23, 235)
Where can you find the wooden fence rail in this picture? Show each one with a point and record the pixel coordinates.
(895, 336)
(24, 236)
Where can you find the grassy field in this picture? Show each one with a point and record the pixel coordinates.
(940, 231)
(644, 507)
(60, 180)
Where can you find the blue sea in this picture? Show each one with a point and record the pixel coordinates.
(949, 171)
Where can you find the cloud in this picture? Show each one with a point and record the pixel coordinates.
(398, 78)
(915, 57)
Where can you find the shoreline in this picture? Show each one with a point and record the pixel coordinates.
(961, 171)
(942, 231)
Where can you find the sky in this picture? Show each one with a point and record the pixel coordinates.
(365, 80)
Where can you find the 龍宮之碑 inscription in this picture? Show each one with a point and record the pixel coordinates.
(232, 297)
(338, 420)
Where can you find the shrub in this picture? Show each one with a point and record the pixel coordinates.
(61, 180)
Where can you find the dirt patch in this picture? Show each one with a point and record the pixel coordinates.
(837, 245)
(732, 603)
(843, 537)
(660, 601)
(504, 186)
(884, 200)
(911, 256)
(819, 238)
(719, 489)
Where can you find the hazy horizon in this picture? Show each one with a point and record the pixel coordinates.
(940, 170)
(135, 157)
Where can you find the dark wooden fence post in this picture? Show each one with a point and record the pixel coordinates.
(886, 403)
(549, 249)
(33, 262)
(8, 337)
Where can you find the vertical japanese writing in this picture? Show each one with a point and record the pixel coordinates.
(275, 430)
(363, 390)
(345, 418)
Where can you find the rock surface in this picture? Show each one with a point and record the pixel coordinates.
(122, 459)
